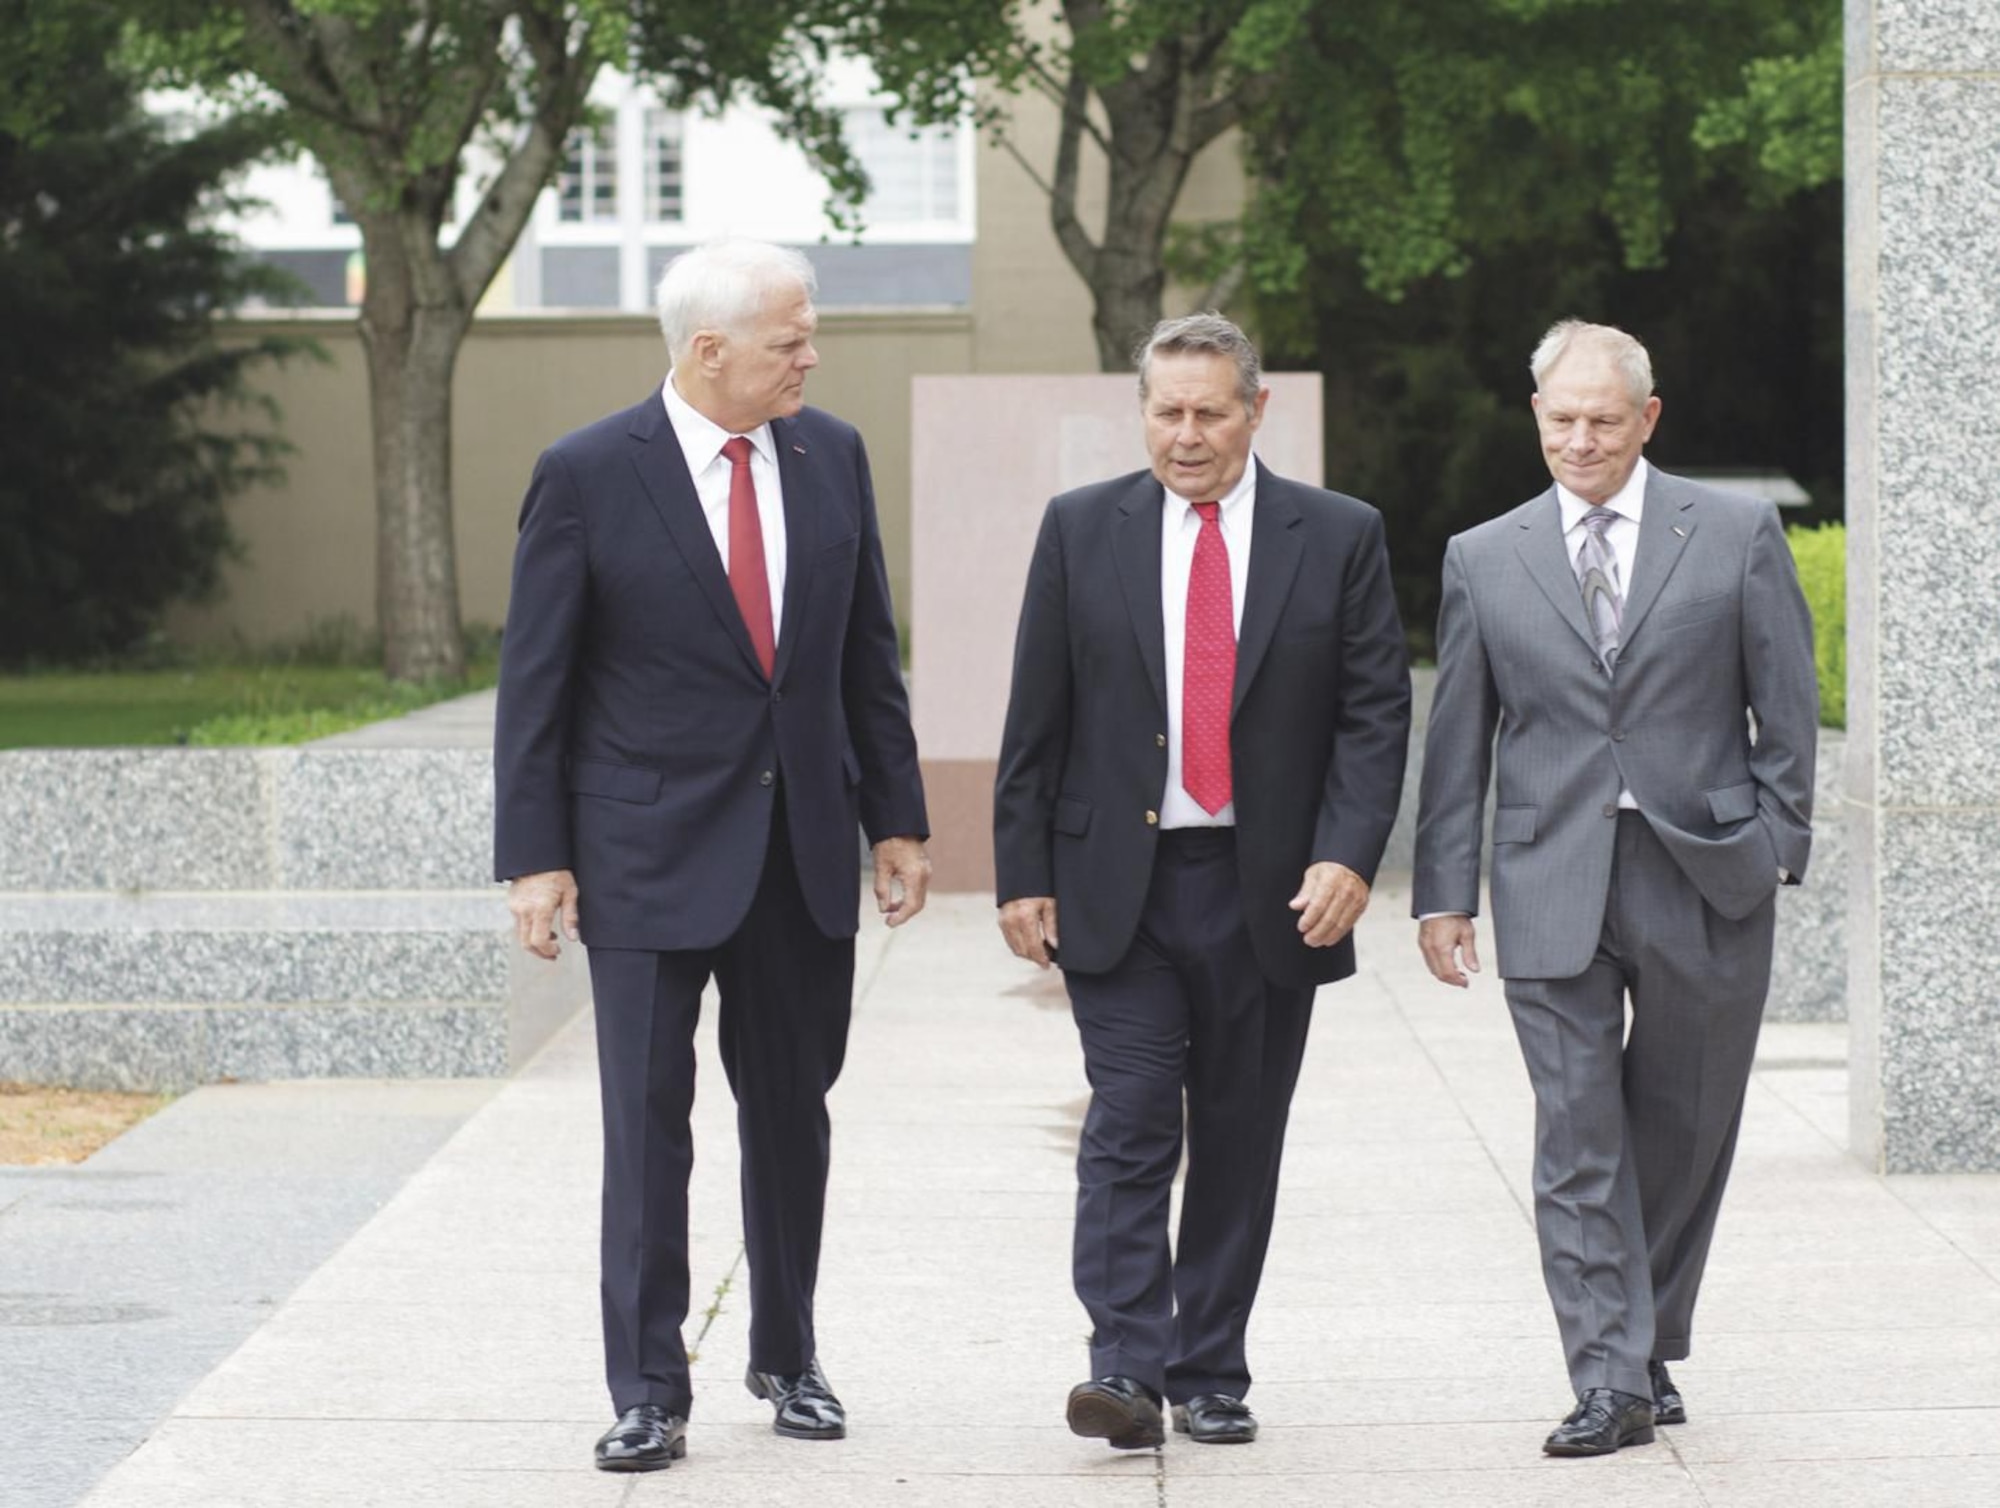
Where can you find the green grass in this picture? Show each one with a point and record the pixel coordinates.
(207, 704)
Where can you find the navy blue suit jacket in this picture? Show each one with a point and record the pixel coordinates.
(639, 743)
(1319, 723)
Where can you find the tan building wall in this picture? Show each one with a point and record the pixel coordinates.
(523, 380)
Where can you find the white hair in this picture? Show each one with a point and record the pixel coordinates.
(722, 285)
(1625, 352)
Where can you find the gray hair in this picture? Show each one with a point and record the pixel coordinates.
(721, 286)
(1205, 334)
(1625, 352)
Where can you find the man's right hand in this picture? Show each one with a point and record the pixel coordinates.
(1029, 925)
(537, 900)
(1445, 940)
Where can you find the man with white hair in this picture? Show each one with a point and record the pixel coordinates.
(1638, 646)
(700, 699)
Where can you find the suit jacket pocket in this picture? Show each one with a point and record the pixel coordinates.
(618, 782)
(845, 542)
(1072, 818)
(1733, 803)
(1700, 610)
(1514, 824)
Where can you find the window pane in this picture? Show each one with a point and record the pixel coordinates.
(663, 166)
(912, 171)
(587, 186)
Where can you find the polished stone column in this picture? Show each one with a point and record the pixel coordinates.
(1923, 751)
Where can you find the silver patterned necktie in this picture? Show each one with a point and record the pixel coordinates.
(1597, 573)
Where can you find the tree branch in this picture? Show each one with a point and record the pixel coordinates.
(561, 84)
(1070, 234)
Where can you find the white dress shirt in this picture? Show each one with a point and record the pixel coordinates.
(1179, 527)
(1621, 540)
(701, 441)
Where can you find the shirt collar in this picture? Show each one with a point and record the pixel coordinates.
(701, 437)
(1628, 501)
(1180, 509)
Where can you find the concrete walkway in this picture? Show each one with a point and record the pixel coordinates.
(1848, 1348)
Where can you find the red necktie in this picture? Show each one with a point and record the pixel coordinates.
(1208, 673)
(748, 578)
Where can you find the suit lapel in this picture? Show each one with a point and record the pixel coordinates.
(1541, 550)
(663, 472)
(1276, 545)
(1665, 527)
(802, 540)
(1135, 544)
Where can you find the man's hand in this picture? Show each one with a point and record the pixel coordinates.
(536, 900)
(1029, 925)
(1446, 941)
(1330, 901)
(902, 878)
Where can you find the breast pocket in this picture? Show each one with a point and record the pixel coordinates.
(1697, 610)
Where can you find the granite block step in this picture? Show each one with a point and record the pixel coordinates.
(165, 991)
(255, 949)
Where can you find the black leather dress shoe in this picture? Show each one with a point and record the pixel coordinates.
(645, 1438)
(1667, 1405)
(1216, 1419)
(806, 1407)
(1603, 1420)
(1119, 1411)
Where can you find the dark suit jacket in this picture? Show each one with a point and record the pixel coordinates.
(639, 743)
(1318, 730)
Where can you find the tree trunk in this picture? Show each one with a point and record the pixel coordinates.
(1128, 278)
(1126, 302)
(412, 351)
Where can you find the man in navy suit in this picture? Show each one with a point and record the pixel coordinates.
(1201, 762)
(700, 699)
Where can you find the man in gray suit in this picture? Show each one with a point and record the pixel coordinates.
(1638, 646)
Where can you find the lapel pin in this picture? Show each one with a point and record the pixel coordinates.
(1680, 531)
(799, 449)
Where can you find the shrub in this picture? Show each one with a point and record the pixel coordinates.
(1822, 560)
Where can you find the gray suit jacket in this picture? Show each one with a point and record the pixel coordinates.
(1716, 643)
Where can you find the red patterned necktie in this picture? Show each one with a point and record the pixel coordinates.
(1208, 673)
(748, 578)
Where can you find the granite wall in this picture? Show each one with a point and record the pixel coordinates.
(1922, 777)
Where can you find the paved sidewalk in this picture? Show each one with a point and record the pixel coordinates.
(1848, 1348)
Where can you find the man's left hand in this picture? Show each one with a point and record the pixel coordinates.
(1330, 901)
(902, 878)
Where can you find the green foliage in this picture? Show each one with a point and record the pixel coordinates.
(1787, 115)
(1412, 136)
(1426, 400)
(1821, 554)
(114, 397)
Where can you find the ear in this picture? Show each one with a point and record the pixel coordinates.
(1257, 408)
(706, 349)
(1648, 417)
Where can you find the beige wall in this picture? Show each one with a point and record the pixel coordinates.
(523, 380)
